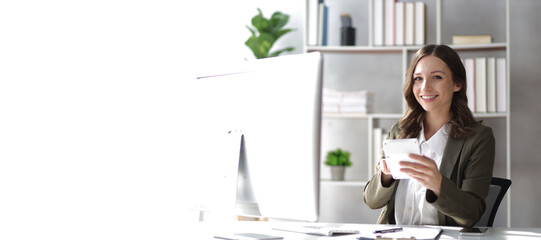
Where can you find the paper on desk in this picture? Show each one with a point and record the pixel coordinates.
(420, 232)
(317, 229)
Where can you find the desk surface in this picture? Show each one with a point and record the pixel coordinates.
(208, 230)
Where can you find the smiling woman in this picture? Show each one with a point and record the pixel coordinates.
(447, 63)
(433, 88)
(451, 177)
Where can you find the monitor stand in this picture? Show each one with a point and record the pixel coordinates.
(220, 193)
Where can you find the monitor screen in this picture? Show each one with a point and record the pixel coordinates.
(267, 113)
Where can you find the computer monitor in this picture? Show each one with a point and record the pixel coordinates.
(270, 110)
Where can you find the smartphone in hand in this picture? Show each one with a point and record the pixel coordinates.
(473, 231)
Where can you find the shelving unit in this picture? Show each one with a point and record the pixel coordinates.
(399, 49)
(439, 30)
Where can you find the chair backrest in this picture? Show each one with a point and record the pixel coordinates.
(498, 188)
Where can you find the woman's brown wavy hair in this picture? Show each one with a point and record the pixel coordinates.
(461, 117)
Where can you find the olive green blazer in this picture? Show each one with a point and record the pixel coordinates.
(466, 170)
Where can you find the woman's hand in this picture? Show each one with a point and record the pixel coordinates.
(425, 171)
(386, 176)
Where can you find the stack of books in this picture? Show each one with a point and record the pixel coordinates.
(346, 101)
(394, 23)
(318, 14)
(472, 39)
(399, 23)
(486, 84)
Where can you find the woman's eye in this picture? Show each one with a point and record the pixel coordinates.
(437, 77)
(417, 79)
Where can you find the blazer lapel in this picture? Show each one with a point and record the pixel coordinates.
(450, 155)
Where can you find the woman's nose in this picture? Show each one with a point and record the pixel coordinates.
(426, 85)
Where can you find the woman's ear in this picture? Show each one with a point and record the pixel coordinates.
(458, 86)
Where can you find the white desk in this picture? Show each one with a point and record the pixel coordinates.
(207, 231)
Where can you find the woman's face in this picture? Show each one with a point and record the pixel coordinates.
(433, 85)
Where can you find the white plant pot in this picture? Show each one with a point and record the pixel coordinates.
(338, 173)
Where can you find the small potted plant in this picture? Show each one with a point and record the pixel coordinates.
(265, 32)
(338, 160)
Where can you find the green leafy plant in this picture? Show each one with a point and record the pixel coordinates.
(265, 32)
(338, 158)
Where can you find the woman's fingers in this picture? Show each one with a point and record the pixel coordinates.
(424, 170)
(384, 168)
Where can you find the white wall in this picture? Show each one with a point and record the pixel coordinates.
(92, 110)
(220, 32)
(89, 118)
(525, 113)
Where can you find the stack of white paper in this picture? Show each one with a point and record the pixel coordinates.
(346, 101)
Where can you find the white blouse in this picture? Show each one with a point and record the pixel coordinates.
(411, 207)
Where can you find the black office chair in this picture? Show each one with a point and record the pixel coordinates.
(498, 188)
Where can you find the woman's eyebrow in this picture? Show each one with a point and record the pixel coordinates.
(438, 71)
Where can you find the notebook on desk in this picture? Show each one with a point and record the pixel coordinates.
(406, 232)
(247, 236)
(317, 230)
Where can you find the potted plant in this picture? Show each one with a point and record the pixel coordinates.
(265, 32)
(338, 160)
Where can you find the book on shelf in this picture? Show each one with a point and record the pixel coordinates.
(399, 23)
(323, 12)
(486, 82)
(419, 23)
(491, 84)
(469, 65)
(379, 19)
(394, 23)
(480, 82)
(501, 85)
(389, 22)
(472, 39)
(313, 9)
(409, 38)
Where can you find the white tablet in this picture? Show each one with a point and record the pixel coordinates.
(397, 150)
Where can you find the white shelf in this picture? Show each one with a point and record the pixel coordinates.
(477, 47)
(363, 115)
(399, 49)
(395, 115)
(490, 115)
(354, 49)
